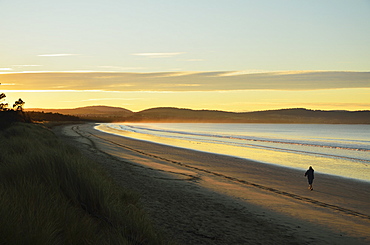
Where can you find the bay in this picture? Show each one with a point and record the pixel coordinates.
(341, 150)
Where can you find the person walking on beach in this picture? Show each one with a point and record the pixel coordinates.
(310, 176)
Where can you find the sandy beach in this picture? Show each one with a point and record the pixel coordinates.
(201, 198)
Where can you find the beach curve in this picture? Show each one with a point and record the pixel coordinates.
(337, 211)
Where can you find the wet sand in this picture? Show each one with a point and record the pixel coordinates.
(202, 198)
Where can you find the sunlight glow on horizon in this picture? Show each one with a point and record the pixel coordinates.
(236, 101)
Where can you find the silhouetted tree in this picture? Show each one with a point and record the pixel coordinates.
(18, 105)
(3, 106)
(8, 116)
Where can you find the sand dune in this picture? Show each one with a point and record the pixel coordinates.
(202, 198)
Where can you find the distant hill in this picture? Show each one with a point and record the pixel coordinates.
(170, 114)
(97, 113)
(298, 115)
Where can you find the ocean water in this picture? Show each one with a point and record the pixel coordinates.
(341, 150)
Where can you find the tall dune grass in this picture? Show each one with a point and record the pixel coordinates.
(51, 194)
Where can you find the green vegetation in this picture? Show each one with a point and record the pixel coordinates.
(51, 194)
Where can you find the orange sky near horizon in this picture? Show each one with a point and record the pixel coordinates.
(227, 91)
(228, 100)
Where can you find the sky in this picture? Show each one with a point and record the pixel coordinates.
(233, 55)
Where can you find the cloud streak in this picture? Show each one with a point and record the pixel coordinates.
(186, 81)
(26, 65)
(158, 55)
(55, 55)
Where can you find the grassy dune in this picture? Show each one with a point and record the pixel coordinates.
(51, 194)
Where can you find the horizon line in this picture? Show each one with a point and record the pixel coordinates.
(181, 108)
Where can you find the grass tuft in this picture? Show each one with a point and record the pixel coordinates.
(51, 194)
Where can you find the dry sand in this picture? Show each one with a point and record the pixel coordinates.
(201, 198)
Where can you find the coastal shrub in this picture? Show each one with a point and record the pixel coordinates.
(9, 117)
(51, 194)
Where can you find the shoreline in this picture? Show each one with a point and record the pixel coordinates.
(336, 212)
(115, 132)
(298, 159)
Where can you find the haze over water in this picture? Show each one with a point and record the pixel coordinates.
(341, 150)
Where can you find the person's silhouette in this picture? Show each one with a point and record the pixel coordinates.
(310, 176)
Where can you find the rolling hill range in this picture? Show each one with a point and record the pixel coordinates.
(272, 116)
(169, 114)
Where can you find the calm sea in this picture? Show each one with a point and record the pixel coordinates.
(342, 150)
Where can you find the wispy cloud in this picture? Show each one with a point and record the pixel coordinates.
(238, 73)
(187, 81)
(6, 69)
(55, 55)
(159, 55)
(173, 74)
(26, 65)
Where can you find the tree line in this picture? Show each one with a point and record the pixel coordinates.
(14, 114)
